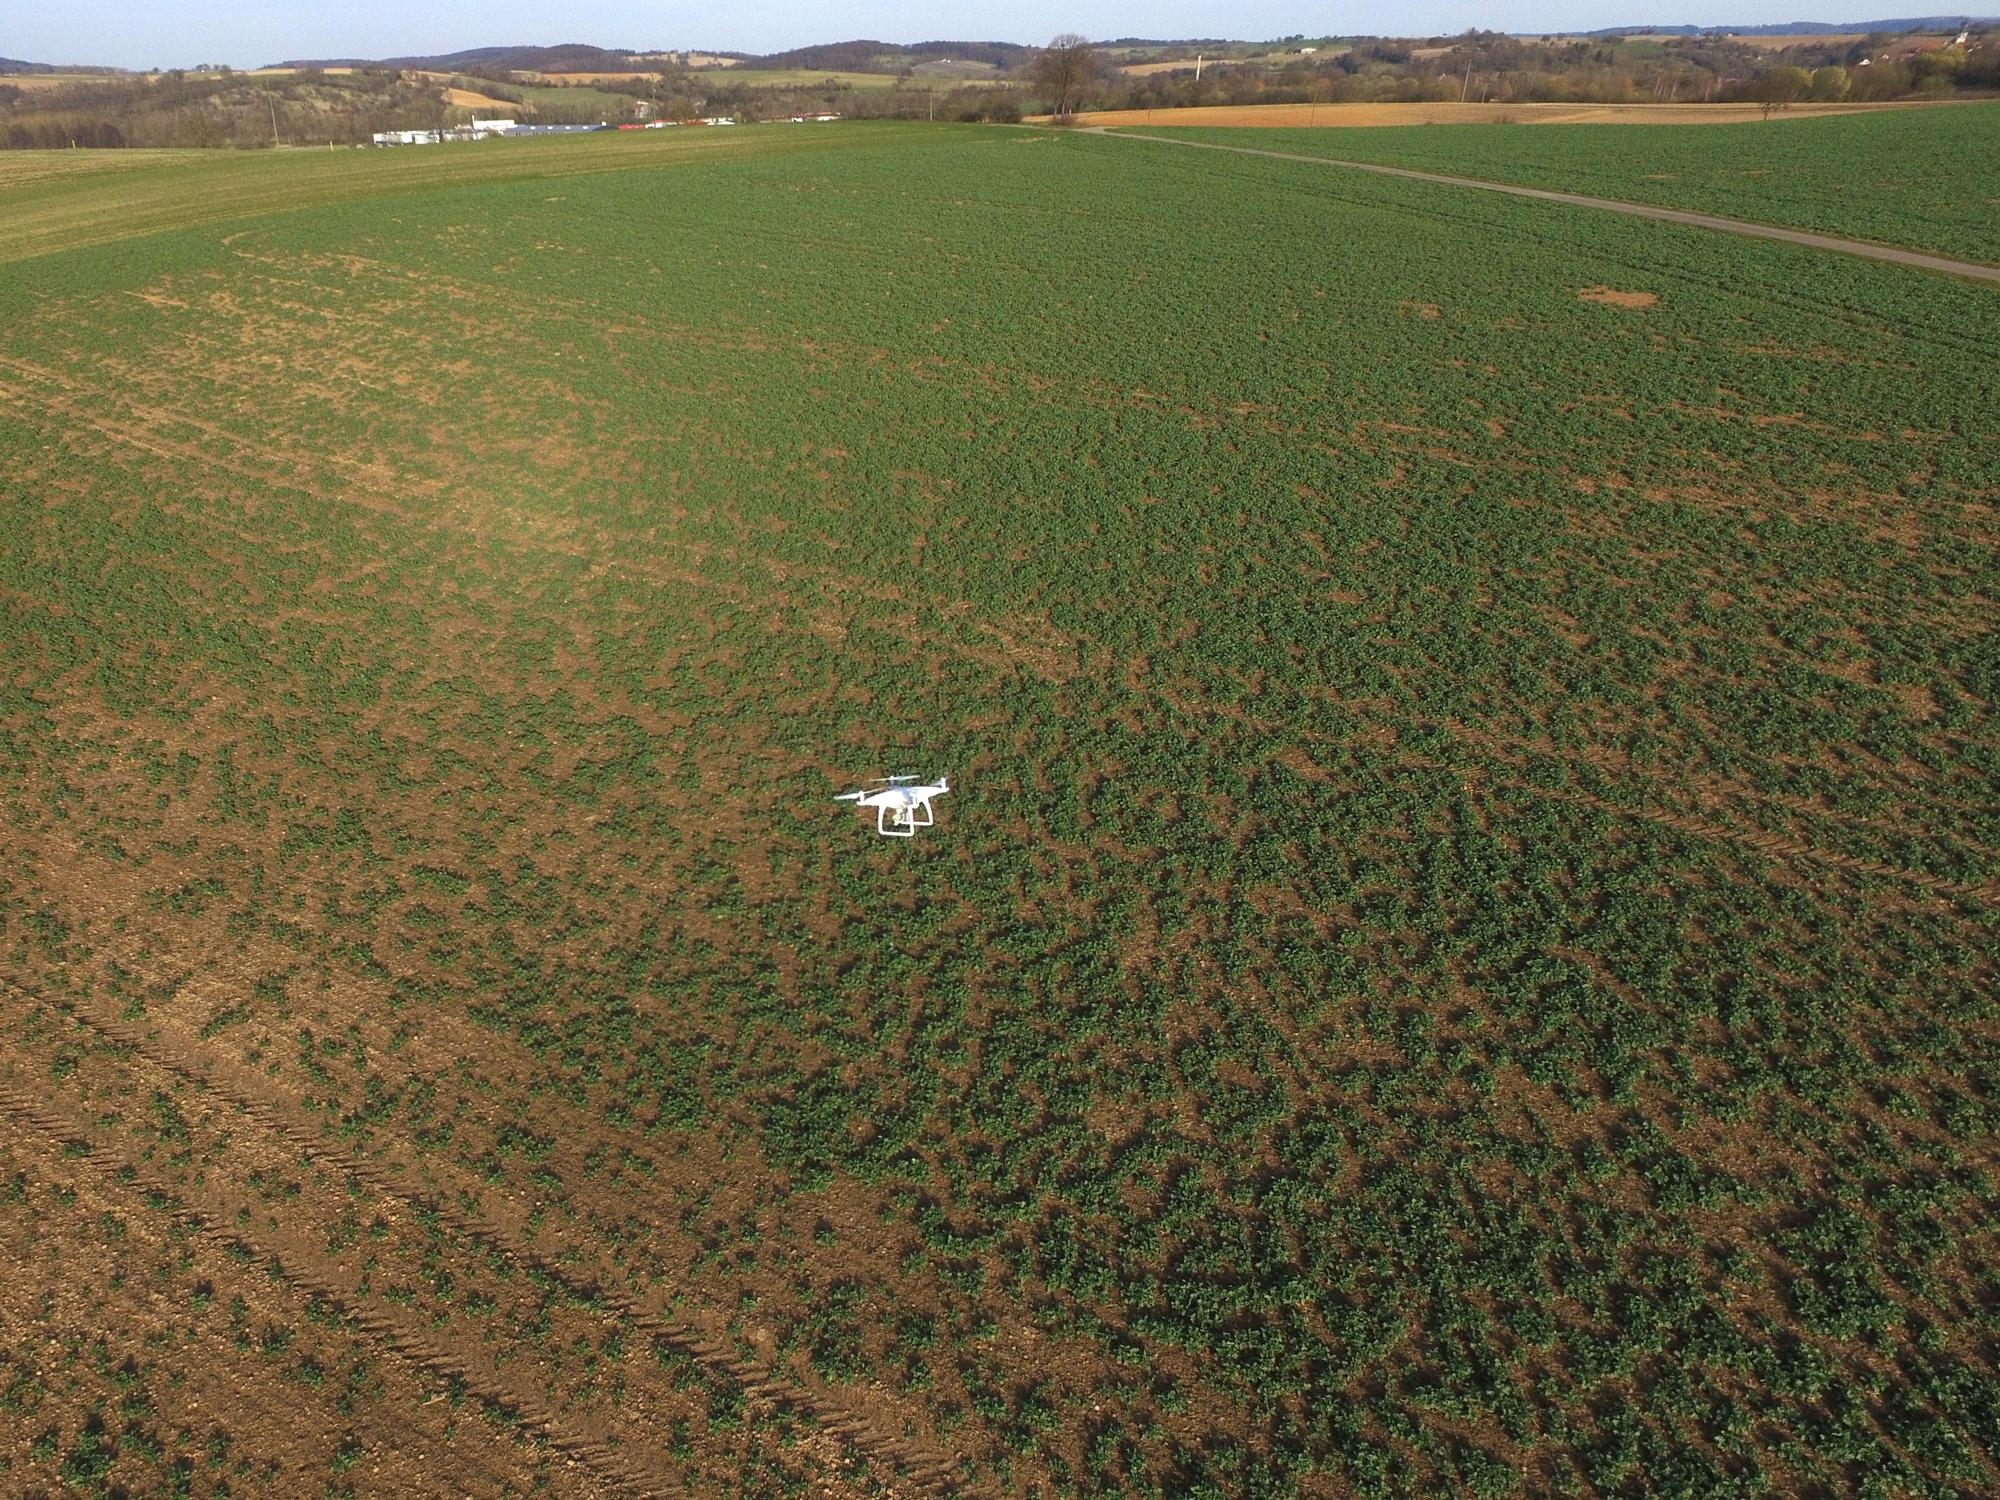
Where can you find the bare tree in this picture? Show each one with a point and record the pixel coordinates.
(1780, 88)
(1062, 69)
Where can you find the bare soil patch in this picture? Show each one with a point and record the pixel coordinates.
(467, 99)
(1612, 297)
(173, 1300)
(1818, 39)
(37, 83)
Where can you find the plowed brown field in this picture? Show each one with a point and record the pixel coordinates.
(467, 99)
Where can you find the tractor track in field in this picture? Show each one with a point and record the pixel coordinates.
(604, 1463)
(909, 1468)
(1762, 840)
(1507, 750)
(1866, 249)
(1779, 846)
(83, 403)
(27, 1126)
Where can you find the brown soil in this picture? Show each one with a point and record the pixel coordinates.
(1785, 43)
(31, 83)
(1611, 297)
(466, 99)
(171, 1297)
(615, 1437)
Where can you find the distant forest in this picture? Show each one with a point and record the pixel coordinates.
(215, 108)
(1610, 70)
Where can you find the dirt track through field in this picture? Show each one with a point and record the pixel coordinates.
(1891, 253)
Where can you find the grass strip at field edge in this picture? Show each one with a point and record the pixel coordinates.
(1868, 249)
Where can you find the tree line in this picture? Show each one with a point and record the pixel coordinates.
(1490, 67)
(217, 107)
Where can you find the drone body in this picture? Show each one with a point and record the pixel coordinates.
(902, 804)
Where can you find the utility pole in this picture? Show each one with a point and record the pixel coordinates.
(272, 101)
(1464, 87)
(1197, 67)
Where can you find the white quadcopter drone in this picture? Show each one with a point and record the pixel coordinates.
(902, 804)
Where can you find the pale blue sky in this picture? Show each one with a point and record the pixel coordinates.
(244, 33)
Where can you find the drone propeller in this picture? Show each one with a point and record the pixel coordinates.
(885, 781)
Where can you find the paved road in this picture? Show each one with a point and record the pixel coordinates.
(1639, 210)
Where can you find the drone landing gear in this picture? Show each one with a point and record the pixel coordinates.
(903, 822)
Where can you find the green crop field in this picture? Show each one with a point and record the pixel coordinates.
(62, 200)
(1460, 957)
(572, 101)
(1920, 177)
(776, 78)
